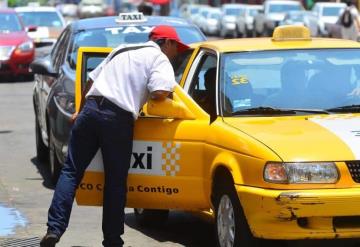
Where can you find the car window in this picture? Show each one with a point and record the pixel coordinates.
(9, 22)
(59, 50)
(331, 11)
(279, 8)
(112, 37)
(306, 79)
(41, 18)
(202, 87)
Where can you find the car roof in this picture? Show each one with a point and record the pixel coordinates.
(110, 21)
(259, 44)
(36, 9)
(7, 10)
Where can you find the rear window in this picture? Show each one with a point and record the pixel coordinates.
(41, 19)
(112, 37)
(9, 23)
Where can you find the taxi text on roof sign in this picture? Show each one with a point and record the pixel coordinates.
(131, 17)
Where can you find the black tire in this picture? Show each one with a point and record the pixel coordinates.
(54, 163)
(151, 217)
(42, 151)
(226, 202)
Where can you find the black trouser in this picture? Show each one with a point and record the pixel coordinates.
(101, 124)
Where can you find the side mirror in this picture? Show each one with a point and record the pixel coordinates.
(170, 109)
(42, 66)
(31, 28)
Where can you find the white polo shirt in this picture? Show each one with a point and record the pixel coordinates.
(129, 78)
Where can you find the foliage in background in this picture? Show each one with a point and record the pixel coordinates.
(17, 3)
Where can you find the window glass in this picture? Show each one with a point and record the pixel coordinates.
(41, 18)
(112, 37)
(331, 11)
(306, 79)
(279, 8)
(203, 85)
(9, 23)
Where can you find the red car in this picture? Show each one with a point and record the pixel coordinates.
(17, 49)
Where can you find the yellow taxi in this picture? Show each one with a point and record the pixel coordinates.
(262, 135)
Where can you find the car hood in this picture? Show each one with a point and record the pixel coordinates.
(46, 32)
(329, 19)
(330, 138)
(276, 16)
(14, 38)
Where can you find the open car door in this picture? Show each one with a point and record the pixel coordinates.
(166, 170)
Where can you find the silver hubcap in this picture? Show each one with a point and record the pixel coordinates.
(226, 222)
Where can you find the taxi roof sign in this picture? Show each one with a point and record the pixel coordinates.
(130, 17)
(289, 32)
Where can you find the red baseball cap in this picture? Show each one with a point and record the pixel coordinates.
(167, 32)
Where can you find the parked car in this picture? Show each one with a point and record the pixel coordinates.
(327, 13)
(302, 18)
(48, 21)
(200, 18)
(265, 143)
(230, 11)
(245, 21)
(188, 11)
(211, 25)
(17, 49)
(94, 8)
(53, 94)
(273, 12)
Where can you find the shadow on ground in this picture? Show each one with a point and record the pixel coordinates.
(44, 171)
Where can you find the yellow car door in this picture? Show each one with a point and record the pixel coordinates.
(166, 170)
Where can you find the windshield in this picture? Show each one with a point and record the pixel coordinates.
(291, 79)
(9, 23)
(296, 17)
(233, 11)
(253, 12)
(41, 19)
(215, 16)
(280, 8)
(112, 37)
(331, 11)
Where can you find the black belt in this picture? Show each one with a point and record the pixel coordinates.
(102, 101)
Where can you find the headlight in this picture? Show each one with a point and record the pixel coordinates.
(301, 173)
(26, 46)
(66, 103)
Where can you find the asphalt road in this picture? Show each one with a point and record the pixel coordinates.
(26, 191)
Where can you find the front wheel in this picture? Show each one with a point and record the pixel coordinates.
(232, 229)
(151, 217)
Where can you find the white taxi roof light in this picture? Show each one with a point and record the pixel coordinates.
(289, 32)
(130, 17)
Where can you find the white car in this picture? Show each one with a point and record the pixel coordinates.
(302, 18)
(245, 21)
(273, 13)
(48, 21)
(230, 12)
(327, 13)
(212, 22)
(200, 18)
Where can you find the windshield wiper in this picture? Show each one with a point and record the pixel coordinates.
(277, 111)
(345, 108)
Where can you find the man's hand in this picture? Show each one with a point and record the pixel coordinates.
(160, 95)
(73, 117)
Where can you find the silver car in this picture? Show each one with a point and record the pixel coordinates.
(212, 22)
(228, 19)
(245, 21)
(327, 13)
(301, 18)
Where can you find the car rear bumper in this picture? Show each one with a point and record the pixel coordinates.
(301, 214)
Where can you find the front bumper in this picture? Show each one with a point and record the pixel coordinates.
(301, 214)
(17, 65)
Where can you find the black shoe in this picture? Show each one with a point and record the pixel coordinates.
(49, 240)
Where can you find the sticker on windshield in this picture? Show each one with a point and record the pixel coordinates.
(239, 79)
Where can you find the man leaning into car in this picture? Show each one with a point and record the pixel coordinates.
(121, 85)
